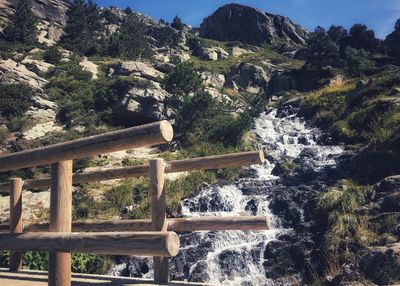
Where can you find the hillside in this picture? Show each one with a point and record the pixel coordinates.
(86, 70)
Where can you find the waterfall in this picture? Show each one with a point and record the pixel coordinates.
(237, 257)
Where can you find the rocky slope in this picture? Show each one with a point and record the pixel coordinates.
(234, 22)
(51, 14)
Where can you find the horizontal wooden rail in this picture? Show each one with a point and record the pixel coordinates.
(209, 223)
(204, 163)
(117, 243)
(145, 135)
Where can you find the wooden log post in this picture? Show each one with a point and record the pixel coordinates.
(203, 163)
(158, 216)
(207, 223)
(16, 220)
(139, 136)
(60, 220)
(112, 243)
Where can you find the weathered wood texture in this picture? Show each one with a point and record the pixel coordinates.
(159, 215)
(60, 220)
(113, 243)
(204, 163)
(209, 223)
(16, 220)
(145, 135)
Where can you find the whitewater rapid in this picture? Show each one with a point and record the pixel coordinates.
(284, 137)
(237, 257)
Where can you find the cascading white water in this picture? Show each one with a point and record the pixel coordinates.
(237, 257)
(280, 138)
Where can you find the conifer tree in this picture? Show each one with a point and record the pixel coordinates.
(82, 33)
(130, 41)
(177, 23)
(22, 26)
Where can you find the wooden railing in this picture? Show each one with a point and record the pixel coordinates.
(148, 237)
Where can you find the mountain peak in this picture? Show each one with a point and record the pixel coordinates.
(236, 22)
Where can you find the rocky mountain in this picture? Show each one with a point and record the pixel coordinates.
(51, 14)
(234, 22)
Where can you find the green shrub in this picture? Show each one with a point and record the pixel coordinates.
(120, 196)
(15, 99)
(130, 41)
(339, 206)
(52, 55)
(81, 263)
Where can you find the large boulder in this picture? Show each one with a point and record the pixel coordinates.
(247, 77)
(139, 69)
(143, 103)
(382, 264)
(13, 72)
(235, 22)
(90, 67)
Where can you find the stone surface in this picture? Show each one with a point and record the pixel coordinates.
(142, 104)
(90, 67)
(247, 77)
(237, 52)
(139, 69)
(36, 65)
(41, 130)
(234, 22)
(214, 80)
(51, 14)
(13, 72)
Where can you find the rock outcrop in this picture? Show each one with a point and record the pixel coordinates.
(234, 22)
(51, 14)
(13, 72)
(247, 77)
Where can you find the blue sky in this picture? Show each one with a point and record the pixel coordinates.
(380, 15)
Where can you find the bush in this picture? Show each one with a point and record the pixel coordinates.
(52, 55)
(339, 208)
(130, 41)
(15, 99)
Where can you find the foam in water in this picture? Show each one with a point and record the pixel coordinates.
(279, 137)
(243, 250)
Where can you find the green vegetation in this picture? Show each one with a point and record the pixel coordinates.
(344, 225)
(81, 263)
(15, 99)
(200, 118)
(52, 55)
(22, 25)
(177, 23)
(130, 41)
(368, 114)
(83, 32)
(223, 65)
(117, 200)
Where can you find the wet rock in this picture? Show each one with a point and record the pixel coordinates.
(381, 265)
(252, 206)
(233, 263)
(278, 262)
(348, 276)
(199, 273)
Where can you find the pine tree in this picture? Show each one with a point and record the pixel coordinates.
(22, 26)
(177, 23)
(82, 33)
(130, 41)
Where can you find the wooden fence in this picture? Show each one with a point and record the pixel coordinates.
(147, 237)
